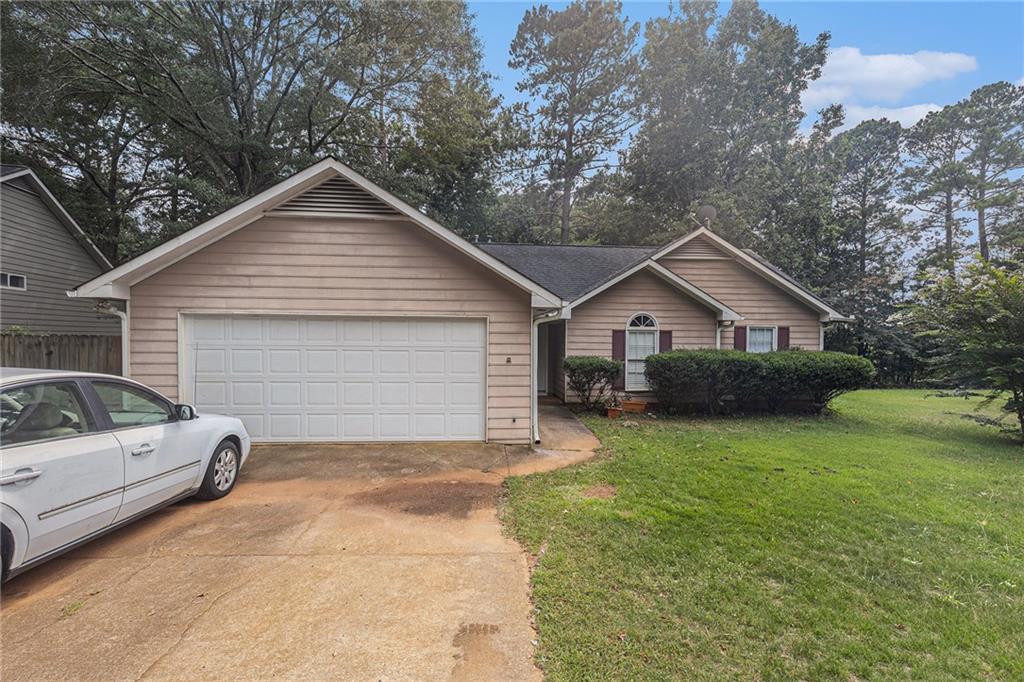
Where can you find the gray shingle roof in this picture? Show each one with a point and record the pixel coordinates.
(568, 271)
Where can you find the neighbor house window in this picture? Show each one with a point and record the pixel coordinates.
(9, 281)
(760, 339)
(641, 341)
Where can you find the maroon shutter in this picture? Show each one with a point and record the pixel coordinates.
(619, 353)
(783, 338)
(664, 341)
(739, 338)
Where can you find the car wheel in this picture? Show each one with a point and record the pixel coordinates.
(222, 472)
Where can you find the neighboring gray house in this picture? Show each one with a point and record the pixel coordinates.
(43, 254)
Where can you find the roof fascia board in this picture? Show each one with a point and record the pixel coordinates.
(62, 215)
(724, 312)
(829, 314)
(239, 216)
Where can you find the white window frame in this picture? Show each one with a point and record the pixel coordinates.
(8, 284)
(656, 329)
(775, 338)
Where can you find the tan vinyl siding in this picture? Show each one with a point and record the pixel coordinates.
(760, 302)
(36, 244)
(589, 331)
(698, 248)
(342, 267)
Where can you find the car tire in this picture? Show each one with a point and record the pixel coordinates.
(6, 552)
(222, 472)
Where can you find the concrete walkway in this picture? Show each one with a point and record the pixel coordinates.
(326, 562)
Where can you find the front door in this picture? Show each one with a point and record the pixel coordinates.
(542, 359)
(162, 456)
(63, 477)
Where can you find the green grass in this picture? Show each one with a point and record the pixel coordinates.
(883, 541)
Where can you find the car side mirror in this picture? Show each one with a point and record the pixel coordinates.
(185, 412)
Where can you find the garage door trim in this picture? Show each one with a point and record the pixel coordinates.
(185, 391)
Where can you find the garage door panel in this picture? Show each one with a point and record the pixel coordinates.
(246, 329)
(322, 393)
(322, 425)
(248, 361)
(337, 379)
(247, 393)
(322, 361)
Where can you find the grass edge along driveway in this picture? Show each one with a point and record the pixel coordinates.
(885, 540)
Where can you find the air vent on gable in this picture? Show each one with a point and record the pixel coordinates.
(697, 247)
(335, 197)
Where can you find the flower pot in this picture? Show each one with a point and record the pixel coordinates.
(614, 412)
(634, 405)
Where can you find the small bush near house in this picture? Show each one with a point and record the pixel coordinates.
(727, 380)
(591, 378)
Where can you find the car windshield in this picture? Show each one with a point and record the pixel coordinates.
(40, 412)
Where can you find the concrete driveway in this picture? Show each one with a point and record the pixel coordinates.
(340, 562)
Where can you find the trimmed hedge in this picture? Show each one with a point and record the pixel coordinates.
(591, 378)
(730, 380)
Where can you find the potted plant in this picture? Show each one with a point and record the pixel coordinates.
(613, 408)
(631, 404)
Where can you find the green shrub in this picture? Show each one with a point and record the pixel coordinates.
(591, 378)
(728, 380)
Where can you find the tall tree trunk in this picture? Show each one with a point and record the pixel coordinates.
(949, 224)
(566, 207)
(980, 204)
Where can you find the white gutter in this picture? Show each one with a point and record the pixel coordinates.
(107, 309)
(534, 408)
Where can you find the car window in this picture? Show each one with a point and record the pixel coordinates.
(41, 411)
(132, 406)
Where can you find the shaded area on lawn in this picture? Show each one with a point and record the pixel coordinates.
(884, 540)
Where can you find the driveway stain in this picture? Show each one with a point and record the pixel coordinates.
(452, 499)
(478, 656)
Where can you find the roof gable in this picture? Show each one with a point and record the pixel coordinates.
(327, 188)
(698, 248)
(705, 238)
(24, 178)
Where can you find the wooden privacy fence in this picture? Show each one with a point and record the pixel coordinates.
(80, 352)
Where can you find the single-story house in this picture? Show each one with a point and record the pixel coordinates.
(326, 309)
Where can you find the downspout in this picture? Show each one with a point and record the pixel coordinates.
(534, 409)
(107, 308)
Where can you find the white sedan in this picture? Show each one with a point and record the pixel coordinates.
(82, 454)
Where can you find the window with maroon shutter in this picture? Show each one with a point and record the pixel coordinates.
(782, 341)
(664, 341)
(619, 353)
(641, 341)
(739, 338)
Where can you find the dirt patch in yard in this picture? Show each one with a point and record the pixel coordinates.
(454, 499)
(602, 491)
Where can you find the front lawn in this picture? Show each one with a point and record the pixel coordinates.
(883, 541)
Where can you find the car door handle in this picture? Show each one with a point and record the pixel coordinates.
(20, 475)
(142, 450)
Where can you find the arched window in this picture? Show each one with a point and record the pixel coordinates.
(641, 341)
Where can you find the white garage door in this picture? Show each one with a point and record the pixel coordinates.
(340, 379)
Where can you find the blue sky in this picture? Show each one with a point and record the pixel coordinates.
(893, 59)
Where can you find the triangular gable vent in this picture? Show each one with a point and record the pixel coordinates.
(697, 248)
(335, 197)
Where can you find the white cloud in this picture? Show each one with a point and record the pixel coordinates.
(906, 116)
(850, 75)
